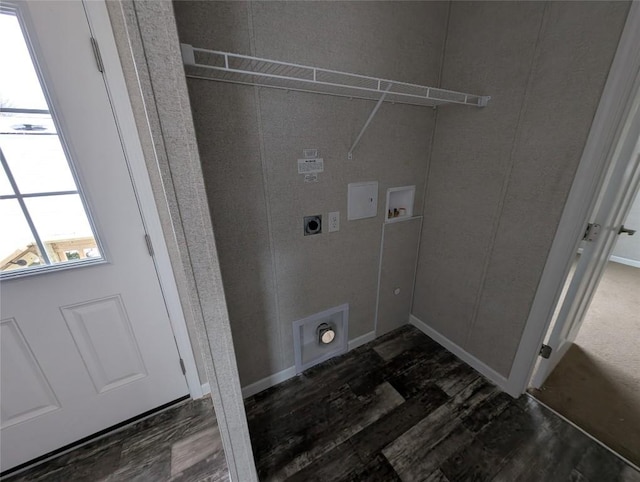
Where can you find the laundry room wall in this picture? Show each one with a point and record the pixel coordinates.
(499, 177)
(250, 138)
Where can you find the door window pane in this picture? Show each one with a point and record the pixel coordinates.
(62, 226)
(39, 228)
(19, 84)
(18, 248)
(36, 160)
(5, 186)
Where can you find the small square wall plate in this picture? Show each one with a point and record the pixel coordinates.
(362, 200)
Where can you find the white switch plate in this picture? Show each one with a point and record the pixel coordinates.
(334, 221)
(362, 200)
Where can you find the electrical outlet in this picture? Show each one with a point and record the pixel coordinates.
(334, 221)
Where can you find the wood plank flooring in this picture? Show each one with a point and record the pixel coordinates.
(179, 444)
(398, 409)
(403, 408)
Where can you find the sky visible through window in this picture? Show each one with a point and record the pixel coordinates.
(49, 203)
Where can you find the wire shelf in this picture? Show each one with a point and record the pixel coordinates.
(243, 69)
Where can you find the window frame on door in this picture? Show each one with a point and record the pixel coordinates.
(49, 266)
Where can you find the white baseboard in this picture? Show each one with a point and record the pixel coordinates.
(361, 340)
(466, 357)
(271, 380)
(206, 389)
(268, 382)
(627, 261)
(619, 259)
(469, 359)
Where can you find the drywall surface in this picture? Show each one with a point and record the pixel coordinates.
(249, 140)
(397, 273)
(499, 177)
(628, 247)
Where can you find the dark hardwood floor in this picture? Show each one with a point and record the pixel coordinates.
(179, 444)
(398, 408)
(403, 408)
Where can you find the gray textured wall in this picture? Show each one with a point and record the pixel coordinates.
(398, 268)
(499, 177)
(497, 180)
(249, 141)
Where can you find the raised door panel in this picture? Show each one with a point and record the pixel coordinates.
(26, 392)
(104, 337)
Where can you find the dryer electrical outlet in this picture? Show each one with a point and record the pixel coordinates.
(312, 225)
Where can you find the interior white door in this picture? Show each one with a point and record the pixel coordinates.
(86, 347)
(614, 203)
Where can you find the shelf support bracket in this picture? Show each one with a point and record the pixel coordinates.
(484, 100)
(188, 57)
(366, 124)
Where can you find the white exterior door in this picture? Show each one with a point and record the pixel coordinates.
(86, 341)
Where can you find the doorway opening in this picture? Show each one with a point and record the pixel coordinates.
(595, 381)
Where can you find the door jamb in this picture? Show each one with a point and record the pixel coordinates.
(621, 183)
(605, 130)
(101, 29)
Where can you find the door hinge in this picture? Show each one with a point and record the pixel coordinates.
(545, 351)
(147, 240)
(96, 53)
(182, 367)
(591, 232)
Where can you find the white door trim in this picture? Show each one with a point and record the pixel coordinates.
(101, 29)
(154, 69)
(605, 130)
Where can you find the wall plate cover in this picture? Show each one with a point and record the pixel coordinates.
(362, 200)
(334, 221)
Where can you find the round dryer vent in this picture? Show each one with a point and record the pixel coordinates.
(320, 336)
(326, 333)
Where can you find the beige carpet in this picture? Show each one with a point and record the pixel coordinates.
(597, 383)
